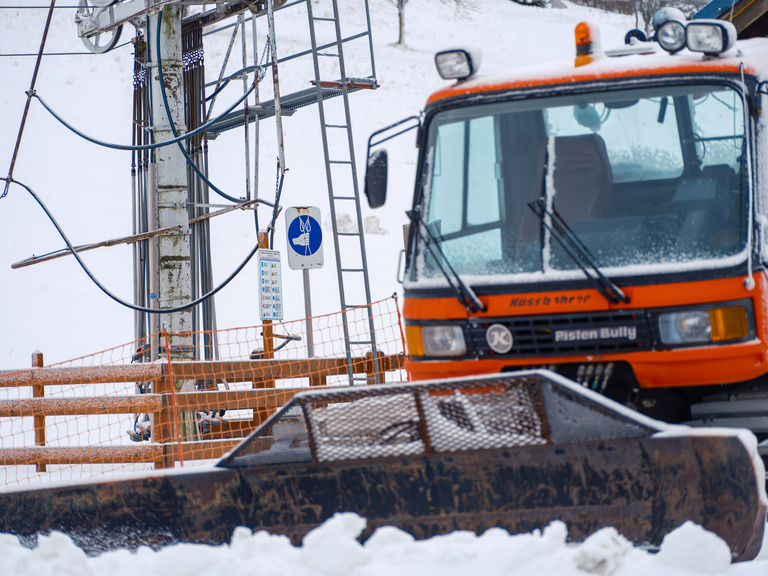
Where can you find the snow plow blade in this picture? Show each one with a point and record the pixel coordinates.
(515, 451)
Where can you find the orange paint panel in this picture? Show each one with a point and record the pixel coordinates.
(592, 73)
(669, 368)
(574, 301)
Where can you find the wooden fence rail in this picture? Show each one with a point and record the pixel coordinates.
(165, 402)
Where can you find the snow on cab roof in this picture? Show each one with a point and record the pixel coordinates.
(752, 53)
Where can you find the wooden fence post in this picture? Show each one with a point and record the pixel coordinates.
(373, 375)
(38, 391)
(259, 415)
(163, 424)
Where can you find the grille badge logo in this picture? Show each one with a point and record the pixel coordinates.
(499, 338)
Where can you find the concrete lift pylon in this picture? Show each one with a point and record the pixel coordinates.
(166, 273)
(103, 20)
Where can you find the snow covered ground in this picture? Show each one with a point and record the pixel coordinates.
(332, 549)
(53, 307)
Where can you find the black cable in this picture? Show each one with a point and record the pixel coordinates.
(36, 7)
(105, 290)
(275, 211)
(66, 53)
(176, 140)
(170, 117)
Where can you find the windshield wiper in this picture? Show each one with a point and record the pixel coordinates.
(464, 294)
(578, 252)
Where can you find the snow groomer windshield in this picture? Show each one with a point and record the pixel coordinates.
(641, 181)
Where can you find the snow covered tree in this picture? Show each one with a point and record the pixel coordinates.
(644, 11)
(461, 5)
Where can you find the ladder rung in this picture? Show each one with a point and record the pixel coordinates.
(339, 161)
(336, 126)
(324, 19)
(350, 83)
(327, 55)
(344, 198)
(352, 270)
(360, 342)
(348, 233)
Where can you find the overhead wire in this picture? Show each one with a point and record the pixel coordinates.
(37, 7)
(29, 99)
(131, 147)
(177, 140)
(105, 290)
(26, 55)
(189, 160)
(173, 127)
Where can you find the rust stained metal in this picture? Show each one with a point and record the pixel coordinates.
(209, 17)
(644, 487)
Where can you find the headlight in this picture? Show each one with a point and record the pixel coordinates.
(710, 36)
(457, 64)
(671, 36)
(669, 24)
(685, 327)
(441, 341)
(713, 325)
(674, 33)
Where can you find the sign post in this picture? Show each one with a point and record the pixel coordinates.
(271, 285)
(305, 251)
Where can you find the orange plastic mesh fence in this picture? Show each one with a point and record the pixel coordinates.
(152, 404)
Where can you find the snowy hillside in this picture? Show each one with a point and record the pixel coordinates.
(54, 307)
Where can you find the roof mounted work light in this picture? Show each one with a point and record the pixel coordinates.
(710, 36)
(673, 33)
(458, 64)
(669, 24)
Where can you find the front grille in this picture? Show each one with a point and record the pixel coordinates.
(566, 334)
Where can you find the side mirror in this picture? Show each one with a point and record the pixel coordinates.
(376, 179)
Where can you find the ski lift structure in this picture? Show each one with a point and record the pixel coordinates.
(99, 25)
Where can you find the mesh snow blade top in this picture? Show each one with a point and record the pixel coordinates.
(513, 451)
(504, 411)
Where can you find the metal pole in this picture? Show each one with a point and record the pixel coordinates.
(154, 319)
(308, 314)
(29, 99)
(241, 22)
(276, 84)
(256, 73)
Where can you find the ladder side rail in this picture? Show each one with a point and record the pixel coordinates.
(329, 180)
(356, 189)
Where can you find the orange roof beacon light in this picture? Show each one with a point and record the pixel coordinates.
(587, 43)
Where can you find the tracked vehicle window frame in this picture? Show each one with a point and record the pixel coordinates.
(645, 178)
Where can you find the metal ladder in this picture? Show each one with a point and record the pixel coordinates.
(351, 261)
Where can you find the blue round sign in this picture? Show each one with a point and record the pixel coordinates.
(305, 235)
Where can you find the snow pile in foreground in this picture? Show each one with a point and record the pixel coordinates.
(332, 549)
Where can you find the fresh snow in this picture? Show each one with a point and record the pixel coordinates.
(332, 549)
(54, 308)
